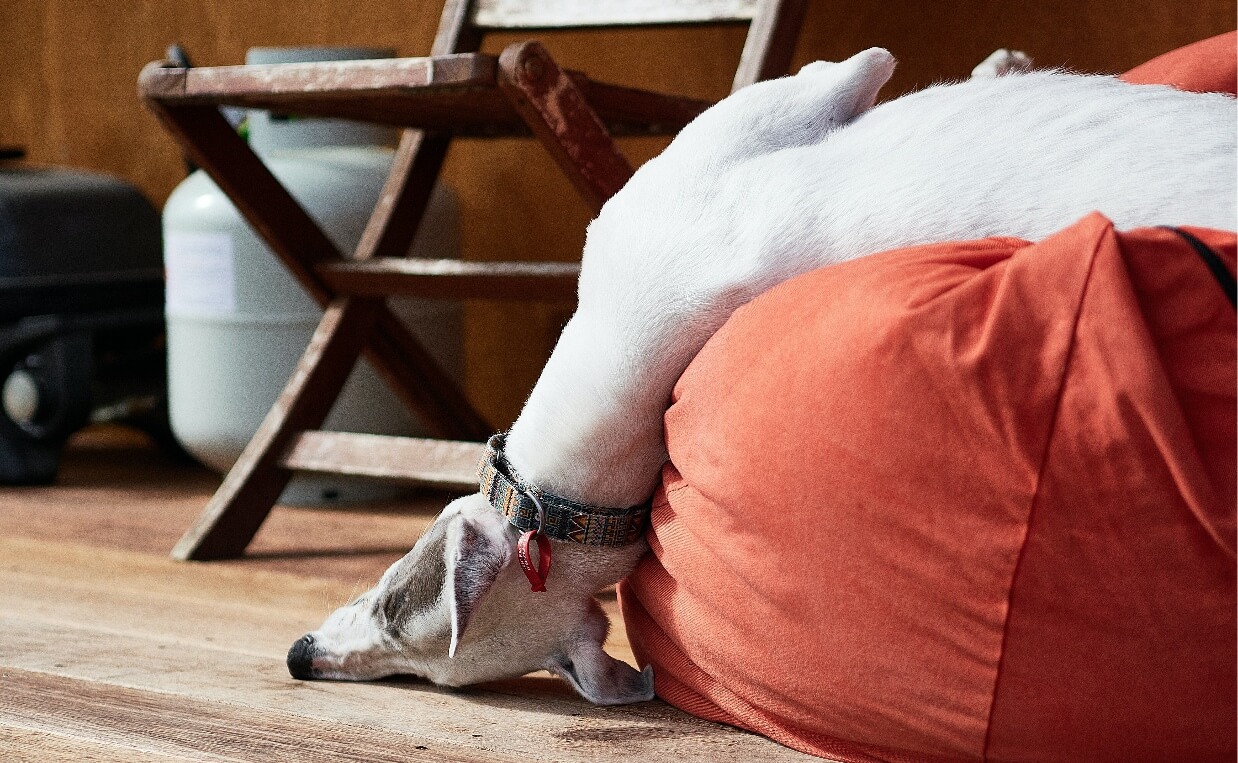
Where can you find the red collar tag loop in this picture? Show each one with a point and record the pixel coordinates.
(537, 577)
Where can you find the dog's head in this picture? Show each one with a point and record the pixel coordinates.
(456, 610)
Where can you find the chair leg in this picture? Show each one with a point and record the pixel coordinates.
(562, 120)
(349, 327)
(404, 197)
(770, 45)
(238, 508)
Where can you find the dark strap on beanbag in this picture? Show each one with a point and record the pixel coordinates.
(1215, 265)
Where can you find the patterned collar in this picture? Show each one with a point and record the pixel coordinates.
(530, 509)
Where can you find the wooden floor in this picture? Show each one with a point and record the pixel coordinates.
(110, 651)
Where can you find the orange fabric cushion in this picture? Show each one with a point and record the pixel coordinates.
(959, 501)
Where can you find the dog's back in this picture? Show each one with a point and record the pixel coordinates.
(1020, 155)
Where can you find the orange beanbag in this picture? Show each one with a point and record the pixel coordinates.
(971, 500)
(965, 501)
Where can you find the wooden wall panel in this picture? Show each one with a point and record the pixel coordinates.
(68, 70)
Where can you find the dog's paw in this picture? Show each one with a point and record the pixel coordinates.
(1001, 62)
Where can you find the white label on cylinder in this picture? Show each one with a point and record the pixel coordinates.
(200, 274)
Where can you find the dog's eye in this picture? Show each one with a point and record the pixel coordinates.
(391, 607)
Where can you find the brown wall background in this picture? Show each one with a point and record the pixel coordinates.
(68, 70)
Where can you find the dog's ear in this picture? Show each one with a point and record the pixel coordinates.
(477, 550)
(593, 673)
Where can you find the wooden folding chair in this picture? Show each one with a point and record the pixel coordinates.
(456, 91)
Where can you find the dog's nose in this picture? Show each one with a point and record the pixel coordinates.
(301, 658)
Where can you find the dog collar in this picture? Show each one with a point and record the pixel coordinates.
(540, 515)
(530, 509)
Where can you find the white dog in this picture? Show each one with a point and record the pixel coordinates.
(778, 179)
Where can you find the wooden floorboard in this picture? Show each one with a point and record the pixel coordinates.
(100, 714)
(22, 745)
(111, 651)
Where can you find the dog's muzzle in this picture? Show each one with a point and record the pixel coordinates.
(301, 658)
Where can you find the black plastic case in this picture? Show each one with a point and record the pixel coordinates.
(81, 312)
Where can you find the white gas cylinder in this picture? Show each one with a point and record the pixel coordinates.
(238, 321)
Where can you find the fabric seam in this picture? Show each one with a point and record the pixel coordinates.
(1044, 459)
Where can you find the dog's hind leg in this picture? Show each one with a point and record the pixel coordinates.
(836, 93)
(782, 113)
